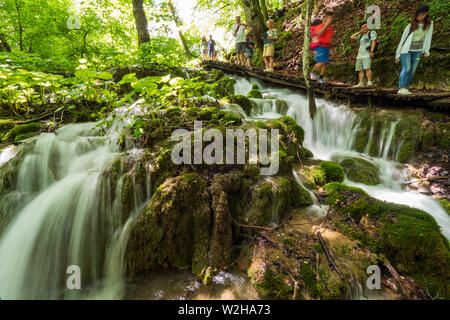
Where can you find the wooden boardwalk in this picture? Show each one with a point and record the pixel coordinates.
(367, 96)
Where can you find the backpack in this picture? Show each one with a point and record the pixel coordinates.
(370, 46)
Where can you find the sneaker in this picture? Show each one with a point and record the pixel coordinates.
(321, 81)
(369, 83)
(359, 85)
(404, 92)
(270, 70)
(314, 76)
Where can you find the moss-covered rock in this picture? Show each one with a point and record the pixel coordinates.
(271, 201)
(222, 87)
(409, 238)
(255, 92)
(246, 104)
(173, 230)
(359, 169)
(21, 130)
(328, 172)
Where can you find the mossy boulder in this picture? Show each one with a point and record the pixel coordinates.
(327, 172)
(22, 131)
(271, 200)
(255, 92)
(222, 87)
(359, 169)
(245, 103)
(173, 230)
(409, 238)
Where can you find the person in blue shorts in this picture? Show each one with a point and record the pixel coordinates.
(249, 49)
(321, 38)
(212, 48)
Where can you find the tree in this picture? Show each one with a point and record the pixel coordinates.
(306, 67)
(255, 19)
(141, 21)
(178, 23)
(263, 4)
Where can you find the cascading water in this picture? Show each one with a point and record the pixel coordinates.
(67, 207)
(69, 214)
(333, 131)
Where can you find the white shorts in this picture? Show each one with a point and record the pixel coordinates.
(363, 64)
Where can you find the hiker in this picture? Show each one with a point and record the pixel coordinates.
(204, 48)
(321, 35)
(239, 34)
(367, 43)
(416, 40)
(270, 38)
(249, 48)
(212, 48)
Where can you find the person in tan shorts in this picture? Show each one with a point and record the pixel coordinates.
(270, 39)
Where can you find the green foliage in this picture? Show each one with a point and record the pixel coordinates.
(328, 172)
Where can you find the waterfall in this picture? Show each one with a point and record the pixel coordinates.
(71, 216)
(333, 131)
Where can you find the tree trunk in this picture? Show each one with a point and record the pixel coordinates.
(306, 68)
(178, 23)
(4, 46)
(255, 19)
(19, 19)
(141, 21)
(263, 4)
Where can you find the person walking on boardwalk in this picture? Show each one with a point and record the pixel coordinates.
(239, 34)
(321, 36)
(270, 38)
(416, 40)
(250, 48)
(204, 48)
(212, 48)
(367, 43)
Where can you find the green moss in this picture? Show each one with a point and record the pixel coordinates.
(174, 228)
(231, 118)
(21, 129)
(273, 286)
(327, 172)
(300, 196)
(245, 103)
(446, 205)
(359, 170)
(255, 92)
(410, 238)
(221, 88)
(333, 171)
(406, 151)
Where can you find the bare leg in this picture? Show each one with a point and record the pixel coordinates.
(271, 62)
(369, 74)
(361, 76)
(266, 61)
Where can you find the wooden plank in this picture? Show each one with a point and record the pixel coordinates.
(367, 96)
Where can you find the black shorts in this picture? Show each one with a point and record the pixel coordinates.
(240, 47)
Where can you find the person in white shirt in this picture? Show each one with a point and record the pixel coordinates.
(416, 40)
(367, 42)
(241, 43)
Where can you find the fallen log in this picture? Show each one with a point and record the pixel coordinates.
(328, 256)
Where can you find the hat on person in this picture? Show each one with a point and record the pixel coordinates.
(422, 8)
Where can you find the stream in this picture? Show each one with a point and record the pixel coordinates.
(65, 210)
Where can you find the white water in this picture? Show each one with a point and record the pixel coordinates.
(69, 212)
(71, 215)
(333, 132)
